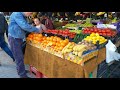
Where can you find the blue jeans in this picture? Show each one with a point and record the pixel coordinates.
(4, 46)
(16, 48)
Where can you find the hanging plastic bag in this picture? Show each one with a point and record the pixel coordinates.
(111, 55)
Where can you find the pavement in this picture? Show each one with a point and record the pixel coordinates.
(8, 67)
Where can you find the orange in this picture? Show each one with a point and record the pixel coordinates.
(52, 46)
(44, 38)
(31, 36)
(65, 41)
(35, 41)
(61, 41)
(40, 35)
(58, 39)
(54, 39)
(51, 39)
(47, 38)
(63, 44)
(37, 38)
(60, 48)
(57, 44)
(53, 43)
(34, 35)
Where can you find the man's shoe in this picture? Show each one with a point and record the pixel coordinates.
(25, 77)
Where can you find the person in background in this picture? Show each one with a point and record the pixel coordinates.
(39, 25)
(47, 22)
(3, 28)
(16, 34)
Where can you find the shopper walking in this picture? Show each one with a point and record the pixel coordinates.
(3, 29)
(16, 33)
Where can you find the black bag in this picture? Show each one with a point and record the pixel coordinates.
(23, 47)
(24, 43)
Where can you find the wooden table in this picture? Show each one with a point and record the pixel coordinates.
(56, 67)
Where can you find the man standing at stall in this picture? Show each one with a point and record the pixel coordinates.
(16, 33)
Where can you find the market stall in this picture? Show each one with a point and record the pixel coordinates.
(73, 50)
(62, 63)
(56, 67)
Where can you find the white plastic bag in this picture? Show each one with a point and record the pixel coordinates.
(111, 55)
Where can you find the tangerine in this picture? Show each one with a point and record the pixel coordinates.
(53, 43)
(60, 48)
(40, 35)
(63, 44)
(58, 39)
(54, 39)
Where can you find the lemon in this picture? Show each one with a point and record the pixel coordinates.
(92, 35)
(97, 34)
(88, 37)
(94, 42)
(100, 42)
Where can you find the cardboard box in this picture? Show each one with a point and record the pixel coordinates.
(50, 65)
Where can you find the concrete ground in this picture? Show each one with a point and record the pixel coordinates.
(8, 67)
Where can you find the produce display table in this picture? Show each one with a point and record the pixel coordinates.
(55, 67)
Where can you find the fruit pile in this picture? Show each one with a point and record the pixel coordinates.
(79, 37)
(71, 25)
(76, 31)
(68, 48)
(79, 49)
(55, 43)
(35, 38)
(61, 48)
(87, 24)
(94, 38)
(90, 45)
(104, 32)
(64, 33)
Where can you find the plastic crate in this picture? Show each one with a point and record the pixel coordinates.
(34, 71)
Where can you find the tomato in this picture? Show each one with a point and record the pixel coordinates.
(95, 30)
(101, 33)
(109, 34)
(104, 34)
(91, 30)
(88, 32)
(85, 32)
(99, 30)
(114, 33)
(108, 30)
(87, 29)
(73, 33)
